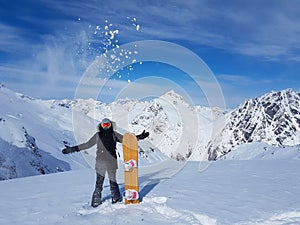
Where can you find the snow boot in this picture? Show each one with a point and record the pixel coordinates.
(115, 192)
(131, 194)
(113, 201)
(97, 198)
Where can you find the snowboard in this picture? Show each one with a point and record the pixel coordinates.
(130, 153)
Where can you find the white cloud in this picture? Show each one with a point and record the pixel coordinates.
(11, 40)
(267, 29)
(256, 29)
(243, 80)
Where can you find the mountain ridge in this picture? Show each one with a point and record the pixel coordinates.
(273, 118)
(177, 129)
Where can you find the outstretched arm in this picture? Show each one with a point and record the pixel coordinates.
(143, 135)
(80, 147)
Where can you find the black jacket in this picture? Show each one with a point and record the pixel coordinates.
(106, 141)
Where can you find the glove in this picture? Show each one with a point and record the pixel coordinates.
(142, 135)
(68, 149)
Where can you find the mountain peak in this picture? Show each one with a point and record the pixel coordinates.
(173, 94)
(273, 118)
(174, 97)
(283, 94)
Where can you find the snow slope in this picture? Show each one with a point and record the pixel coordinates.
(261, 150)
(32, 132)
(227, 192)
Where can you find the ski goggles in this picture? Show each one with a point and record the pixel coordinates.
(106, 125)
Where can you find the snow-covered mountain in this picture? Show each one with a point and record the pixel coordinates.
(273, 118)
(33, 132)
(177, 129)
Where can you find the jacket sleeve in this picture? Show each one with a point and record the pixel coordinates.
(88, 144)
(119, 137)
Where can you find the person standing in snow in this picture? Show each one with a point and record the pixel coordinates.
(106, 160)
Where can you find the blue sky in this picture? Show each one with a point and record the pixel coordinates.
(252, 47)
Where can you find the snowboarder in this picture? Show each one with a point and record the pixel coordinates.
(106, 160)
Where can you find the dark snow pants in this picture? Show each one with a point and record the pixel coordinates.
(114, 187)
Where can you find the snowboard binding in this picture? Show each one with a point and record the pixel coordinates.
(129, 165)
(131, 195)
